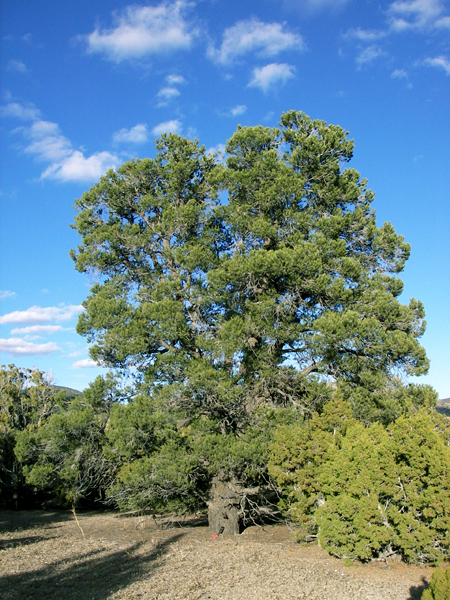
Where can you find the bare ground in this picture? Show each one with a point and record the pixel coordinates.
(44, 556)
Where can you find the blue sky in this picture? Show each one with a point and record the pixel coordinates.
(87, 85)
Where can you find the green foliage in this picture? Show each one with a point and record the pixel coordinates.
(439, 585)
(167, 462)
(369, 491)
(64, 456)
(296, 455)
(238, 288)
(377, 397)
(27, 400)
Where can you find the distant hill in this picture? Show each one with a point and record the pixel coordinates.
(443, 406)
(70, 392)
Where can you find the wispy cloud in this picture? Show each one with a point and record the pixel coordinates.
(38, 314)
(364, 35)
(271, 75)
(17, 66)
(25, 112)
(316, 5)
(175, 79)
(167, 93)
(77, 167)
(48, 144)
(219, 149)
(136, 135)
(440, 62)
(84, 363)
(19, 347)
(414, 14)
(141, 31)
(39, 329)
(403, 76)
(368, 55)
(443, 23)
(266, 39)
(5, 294)
(238, 110)
(173, 126)
(419, 16)
(399, 74)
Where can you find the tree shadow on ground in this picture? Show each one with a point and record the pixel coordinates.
(416, 591)
(89, 576)
(22, 541)
(15, 520)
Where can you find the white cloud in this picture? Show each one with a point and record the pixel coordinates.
(168, 92)
(413, 14)
(219, 149)
(369, 54)
(175, 79)
(173, 126)
(19, 347)
(85, 363)
(443, 23)
(364, 35)
(321, 4)
(399, 74)
(39, 329)
(420, 16)
(47, 141)
(38, 314)
(271, 75)
(441, 62)
(267, 39)
(136, 135)
(17, 65)
(77, 167)
(48, 144)
(5, 294)
(141, 31)
(238, 110)
(26, 112)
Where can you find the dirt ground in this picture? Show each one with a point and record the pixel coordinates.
(44, 555)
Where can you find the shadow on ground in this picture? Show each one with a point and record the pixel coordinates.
(16, 520)
(416, 591)
(91, 577)
(22, 541)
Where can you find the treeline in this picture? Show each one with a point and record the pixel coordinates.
(365, 490)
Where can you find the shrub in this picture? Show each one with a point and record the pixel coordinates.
(297, 455)
(439, 585)
(387, 492)
(369, 491)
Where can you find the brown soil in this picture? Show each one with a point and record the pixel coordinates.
(43, 555)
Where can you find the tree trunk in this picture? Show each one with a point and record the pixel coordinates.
(224, 508)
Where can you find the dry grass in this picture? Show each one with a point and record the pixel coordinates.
(43, 555)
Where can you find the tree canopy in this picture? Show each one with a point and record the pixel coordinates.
(241, 292)
(246, 282)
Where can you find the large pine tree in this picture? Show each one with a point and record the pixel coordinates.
(238, 288)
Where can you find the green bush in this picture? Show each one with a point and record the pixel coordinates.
(297, 455)
(64, 458)
(439, 585)
(369, 492)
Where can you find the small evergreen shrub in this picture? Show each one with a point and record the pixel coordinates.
(439, 585)
(368, 492)
(297, 455)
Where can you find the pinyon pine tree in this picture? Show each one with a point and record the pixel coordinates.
(235, 291)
